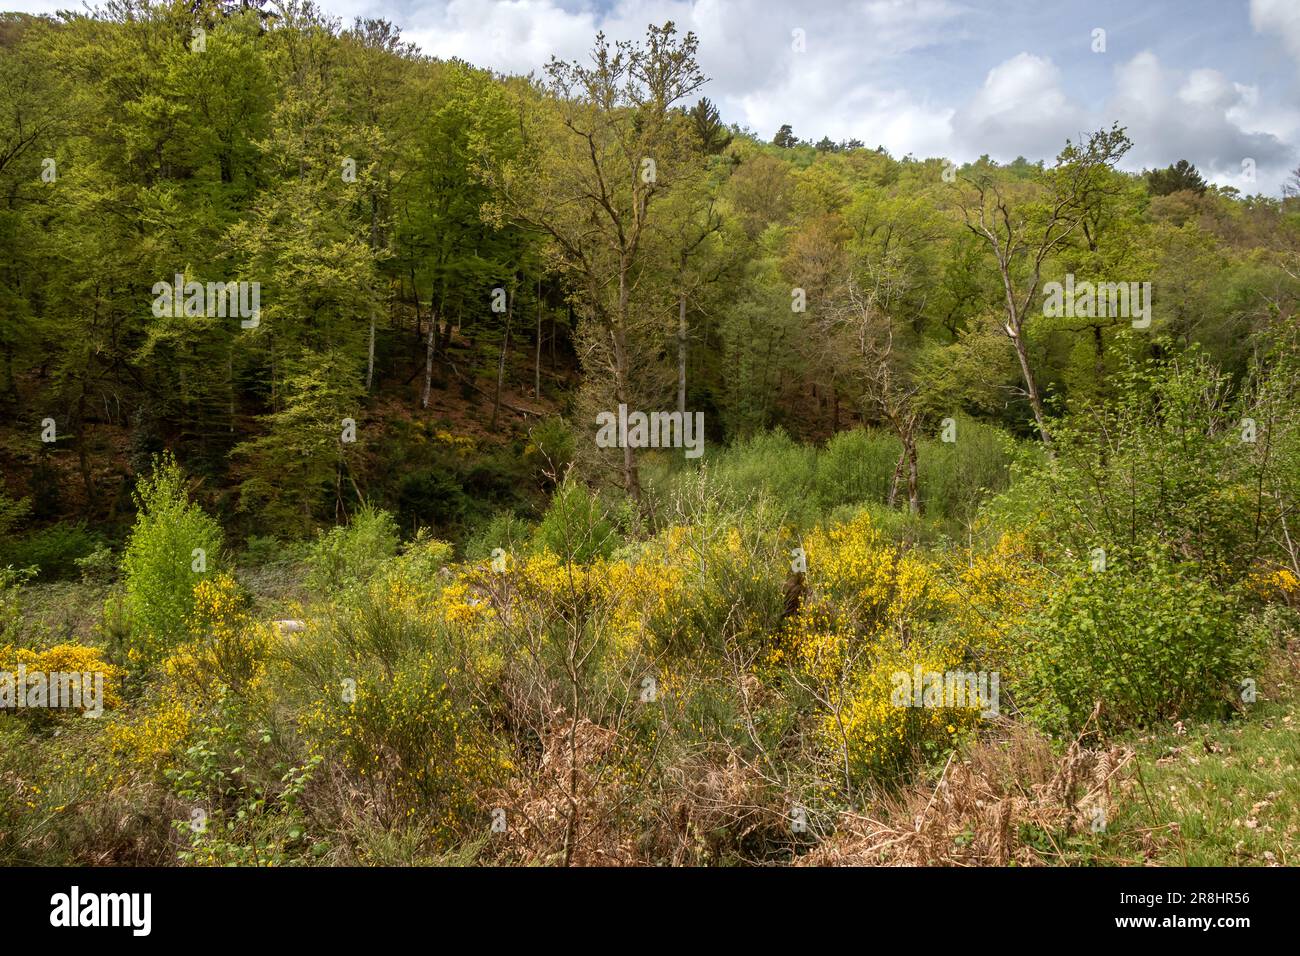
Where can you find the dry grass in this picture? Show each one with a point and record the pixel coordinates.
(1008, 800)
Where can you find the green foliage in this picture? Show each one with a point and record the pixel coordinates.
(12, 625)
(392, 702)
(856, 468)
(100, 565)
(1147, 638)
(577, 525)
(956, 478)
(1174, 178)
(551, 447)
(504, 530)
(239, 817)
(11, 513)
(347, 556)
(303, 458)
(1165, 463)
(55, 552)
(172, 545)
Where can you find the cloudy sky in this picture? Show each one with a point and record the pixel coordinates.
(1213, 81)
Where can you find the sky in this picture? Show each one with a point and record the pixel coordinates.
(1216, 82)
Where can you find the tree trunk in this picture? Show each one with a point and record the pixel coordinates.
(501, 363)
(415, 294)
(898, 475)
(82, 458)
(537, 355)
(681, 352)
(1031, 387)
(913, 495)
(631, 478)
(370, 360)
(428, 358)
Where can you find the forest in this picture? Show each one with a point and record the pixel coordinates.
(420, 465)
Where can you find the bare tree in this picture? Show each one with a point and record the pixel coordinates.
(1023, 233)
(594, 190)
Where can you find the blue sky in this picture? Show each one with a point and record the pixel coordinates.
(1213, 81)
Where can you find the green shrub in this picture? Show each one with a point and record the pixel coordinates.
(955, 478)
(171, 546)
(262, 551)
(423, 557)
(551, 447)
(1164, 465)
(505, 530)
(432, 496)
(98, 566)
(772, 462)
(1148, 638)
(390, 699)
(54, 551)
(11, 611)
(348, 555)
(11, 513)
(577, 525)
(857, 466)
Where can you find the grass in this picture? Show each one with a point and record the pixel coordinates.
(1215, 794)
(1220, 793)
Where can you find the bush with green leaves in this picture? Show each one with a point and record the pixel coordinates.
(1167, 465)
(855, 467)
(956, 477)
(551, 447)
(12, 512)
(348, 555)
(577, 525)
(54, 552)
(394, 698)
(1148, 638)
(506, 530)
(173, 544)
(12, 624)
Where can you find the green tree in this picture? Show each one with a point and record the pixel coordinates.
(171, 547)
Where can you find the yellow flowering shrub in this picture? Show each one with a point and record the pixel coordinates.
(462, 445)
(66, 659)
(880, 734)
(993, 593)
(229, 646)
(872, 611)
(853, 562)
(227, 651)
(637, 595)
(1275, 584)
(154, 740)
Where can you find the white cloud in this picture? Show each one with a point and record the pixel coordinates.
(1280, 17)
(1020, 110)
(837, 86)
(1202, 117)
